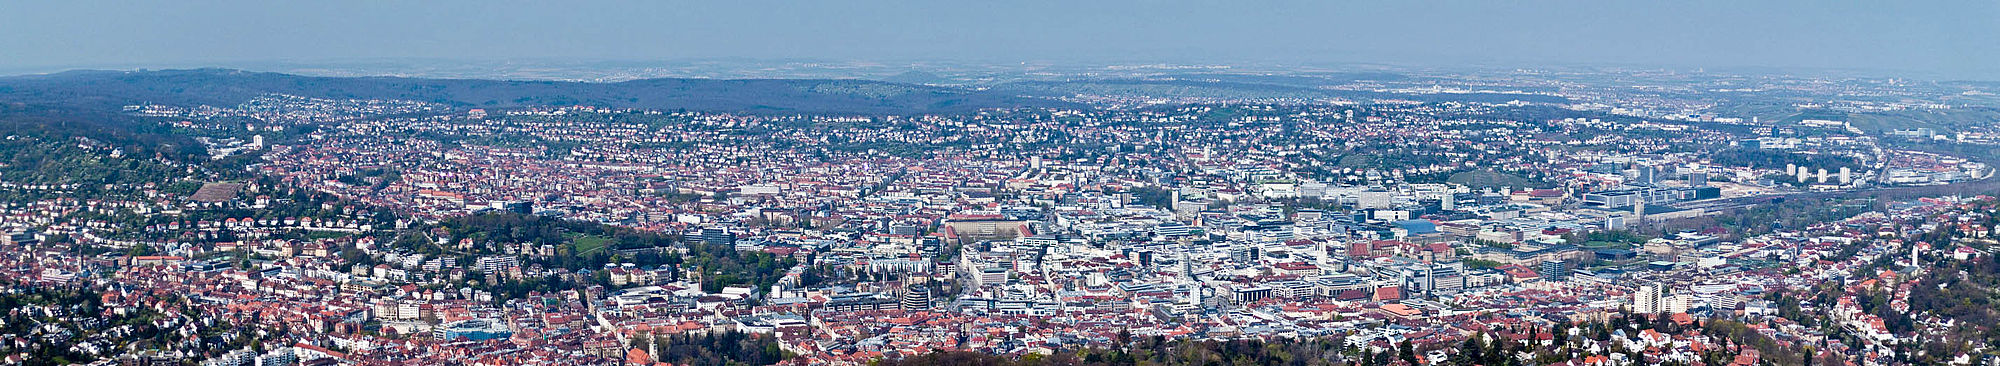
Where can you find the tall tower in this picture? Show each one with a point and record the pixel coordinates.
(1187, 265)
(1913, 254)
(1430, 278)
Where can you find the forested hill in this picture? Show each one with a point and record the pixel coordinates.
(223, 87)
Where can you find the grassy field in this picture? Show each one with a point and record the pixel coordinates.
(587, 243)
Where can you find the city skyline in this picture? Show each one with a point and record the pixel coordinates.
(1106, 183)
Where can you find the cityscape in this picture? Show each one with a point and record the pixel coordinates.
(782, 212)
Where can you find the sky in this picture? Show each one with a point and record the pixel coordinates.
(1955, 39)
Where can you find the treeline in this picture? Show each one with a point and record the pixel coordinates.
(50, 351)
(507, 227)
(26, 159)
(487, 230)
(1153, 196)
(728, 348)
(1615, 237)
(1501, 346)
(1157, 351)
(70, 119)
(71, 317)
(1734, 334)
(1773, 159)
(1787, 214)
(722, 265)
(1488, 178)
(1960, 291)
(730, 267)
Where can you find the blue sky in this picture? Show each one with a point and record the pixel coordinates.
(1946, 39)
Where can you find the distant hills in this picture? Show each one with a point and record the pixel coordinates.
(223, 87)
(1253, 87)
(901, 94)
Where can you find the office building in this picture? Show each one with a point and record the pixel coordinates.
(717, 235)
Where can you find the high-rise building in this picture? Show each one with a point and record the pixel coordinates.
(916, 297)
(1374, 200)
(1435, 279)
(1555, 271)
(1649, 299)
(1698, 179)
(1648, 175)
(1246, 253)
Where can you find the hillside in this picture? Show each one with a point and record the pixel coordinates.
(229, 87)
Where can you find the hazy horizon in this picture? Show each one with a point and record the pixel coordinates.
(1931, 40)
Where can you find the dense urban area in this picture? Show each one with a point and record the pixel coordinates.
(1165, 216)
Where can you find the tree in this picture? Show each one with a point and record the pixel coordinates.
(1407, 352)
(141, 249)
(639, 341)
(1469, 352)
